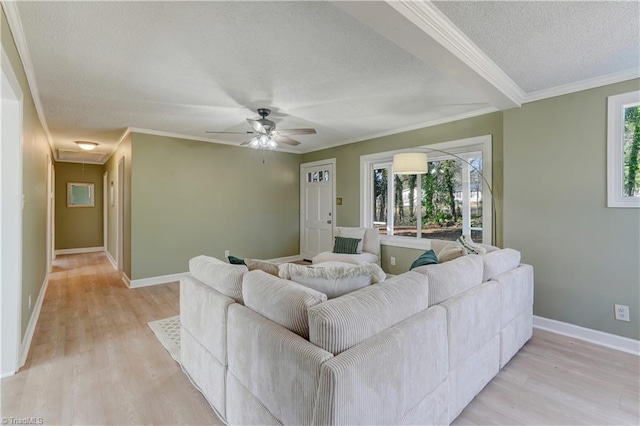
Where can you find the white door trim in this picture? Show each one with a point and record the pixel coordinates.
(331, 161)
(11, 206)
(120, 219)
(49, 213)
(105, 209)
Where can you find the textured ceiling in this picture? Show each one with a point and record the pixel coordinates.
(544, 44)
(187, 67)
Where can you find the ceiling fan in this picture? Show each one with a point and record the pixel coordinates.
(266, 135)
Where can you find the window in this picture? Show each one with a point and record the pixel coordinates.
(450, 200)
(623, 150)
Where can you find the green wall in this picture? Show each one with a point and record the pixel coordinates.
(123, 151)
(348, 171)
(192, 198)
(586, 256)
(34, 185)
(78, 227)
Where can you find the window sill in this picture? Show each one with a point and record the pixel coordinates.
(406, 242)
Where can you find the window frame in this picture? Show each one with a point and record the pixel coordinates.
(458, 147)
(615, 149)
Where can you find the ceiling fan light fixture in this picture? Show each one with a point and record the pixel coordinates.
(255, 143)
(86, 145)
(272, 144)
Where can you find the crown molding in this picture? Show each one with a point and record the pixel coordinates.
(201, 139)
(434, 23)
(579, 86)
(15, 25)
(431, 123)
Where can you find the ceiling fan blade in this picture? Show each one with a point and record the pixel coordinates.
(257, 126)
(232, 133)
(286, 140)
(288, 132)
(245, 143)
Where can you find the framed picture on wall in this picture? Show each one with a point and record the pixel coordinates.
(80, 194)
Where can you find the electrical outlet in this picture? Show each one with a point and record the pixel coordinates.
(226, 253)
(29, 302)
(621, 312)
(393, 261)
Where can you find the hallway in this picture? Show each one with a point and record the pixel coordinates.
(94, 360)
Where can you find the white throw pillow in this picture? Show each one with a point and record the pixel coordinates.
(352, 233)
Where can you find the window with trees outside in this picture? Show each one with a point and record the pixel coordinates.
(623, 150)
(450, 200)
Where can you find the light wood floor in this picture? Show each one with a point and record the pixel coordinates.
(94, 360)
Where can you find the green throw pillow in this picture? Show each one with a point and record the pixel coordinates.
(346, 245)
(236, 260)
(427, 258)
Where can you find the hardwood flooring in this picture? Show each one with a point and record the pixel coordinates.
(94, 360)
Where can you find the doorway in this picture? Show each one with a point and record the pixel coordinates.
(11, 205)
(317, 207)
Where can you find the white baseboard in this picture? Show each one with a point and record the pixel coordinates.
(286, 259)
(126, 280)
(79, 250)
(111, 259)
(163, 279)
(601, 338)
(33, 321)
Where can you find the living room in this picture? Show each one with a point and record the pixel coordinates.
(184, 195)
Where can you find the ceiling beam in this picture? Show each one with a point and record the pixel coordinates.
(421, 29)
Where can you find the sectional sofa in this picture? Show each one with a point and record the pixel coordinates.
(413, 349)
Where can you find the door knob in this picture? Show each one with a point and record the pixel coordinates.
(329, 221)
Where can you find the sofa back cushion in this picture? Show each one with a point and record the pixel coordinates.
(283, 302)
(219, 275)
(500, 261)
(341, 323)
(451, 278)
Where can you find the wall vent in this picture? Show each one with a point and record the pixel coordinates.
(82, 156)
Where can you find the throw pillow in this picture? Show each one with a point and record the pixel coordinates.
(427, 258)
(470, 246)
(450, 252)
(262, 265)
(236, 260)
(351, 233)
(346, 245)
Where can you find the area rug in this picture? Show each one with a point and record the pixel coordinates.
(168, 333)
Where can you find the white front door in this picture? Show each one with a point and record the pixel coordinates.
(317, 211)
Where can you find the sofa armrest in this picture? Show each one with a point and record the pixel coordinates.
(380, 380)
(276, 367)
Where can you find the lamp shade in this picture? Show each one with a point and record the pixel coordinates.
(410, 163)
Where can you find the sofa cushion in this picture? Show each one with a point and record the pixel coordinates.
(283, 302)
(500, 261)
(333, 278)
(341, 323)
(451, 278)
(219, 275)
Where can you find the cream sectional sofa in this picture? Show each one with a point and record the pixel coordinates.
(414, 349)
